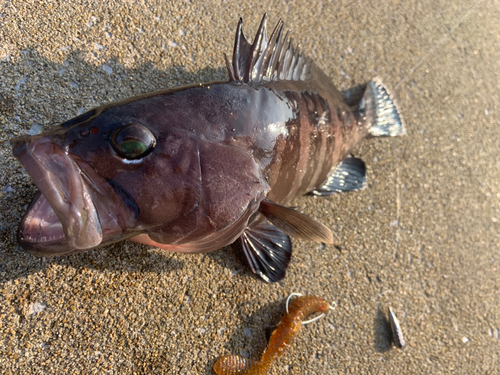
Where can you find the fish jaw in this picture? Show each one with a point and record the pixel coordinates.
(63, 217)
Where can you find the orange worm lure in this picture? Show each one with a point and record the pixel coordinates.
(281, 338)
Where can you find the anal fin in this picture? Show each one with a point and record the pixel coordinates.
(268, 251)
(349, 175)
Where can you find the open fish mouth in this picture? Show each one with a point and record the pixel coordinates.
(62, 217)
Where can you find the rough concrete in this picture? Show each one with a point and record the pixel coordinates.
(424, 237)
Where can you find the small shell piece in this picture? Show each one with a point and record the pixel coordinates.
(397, 333)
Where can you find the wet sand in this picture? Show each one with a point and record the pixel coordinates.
(423, 238)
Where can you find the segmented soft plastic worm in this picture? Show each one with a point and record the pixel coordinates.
(281, 339)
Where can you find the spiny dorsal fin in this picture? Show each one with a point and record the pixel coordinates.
(266, 59)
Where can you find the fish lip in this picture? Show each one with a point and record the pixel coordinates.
(58, 177)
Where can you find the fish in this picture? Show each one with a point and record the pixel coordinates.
(196, 168)
(281, 339)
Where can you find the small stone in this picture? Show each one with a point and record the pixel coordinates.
(36, 308)
(107, 69)
(35, 129)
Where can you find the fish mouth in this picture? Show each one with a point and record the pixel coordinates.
(62, 217)
(74, 210)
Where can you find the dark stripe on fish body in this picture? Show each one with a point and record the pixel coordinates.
(309, 118)
(308, 158)
(291, 167)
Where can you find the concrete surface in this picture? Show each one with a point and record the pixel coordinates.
(424, 237)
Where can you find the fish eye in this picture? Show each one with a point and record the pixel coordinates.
(133, 141)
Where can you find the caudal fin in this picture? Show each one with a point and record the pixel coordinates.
(379, 105)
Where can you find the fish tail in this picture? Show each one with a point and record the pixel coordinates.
(379, 108)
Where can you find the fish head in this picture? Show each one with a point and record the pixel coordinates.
(107, 175)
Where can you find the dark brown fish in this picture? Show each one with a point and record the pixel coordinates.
(195, 168)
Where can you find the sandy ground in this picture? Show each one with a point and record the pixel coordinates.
(424, 237)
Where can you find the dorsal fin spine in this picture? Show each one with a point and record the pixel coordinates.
(273, 59)
(236, 50)
(285, 57)
(280, 54)
(296, 70)
(292, 60)
(270, 57)
(258, 47)
(230, 70)
(304, 72)
(240, 53)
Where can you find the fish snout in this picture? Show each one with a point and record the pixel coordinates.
(62, 219)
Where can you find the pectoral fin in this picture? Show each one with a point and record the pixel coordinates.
(294, 223)
(267, 250)
(349, 175)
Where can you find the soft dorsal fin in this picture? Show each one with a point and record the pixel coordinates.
(266, 59)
